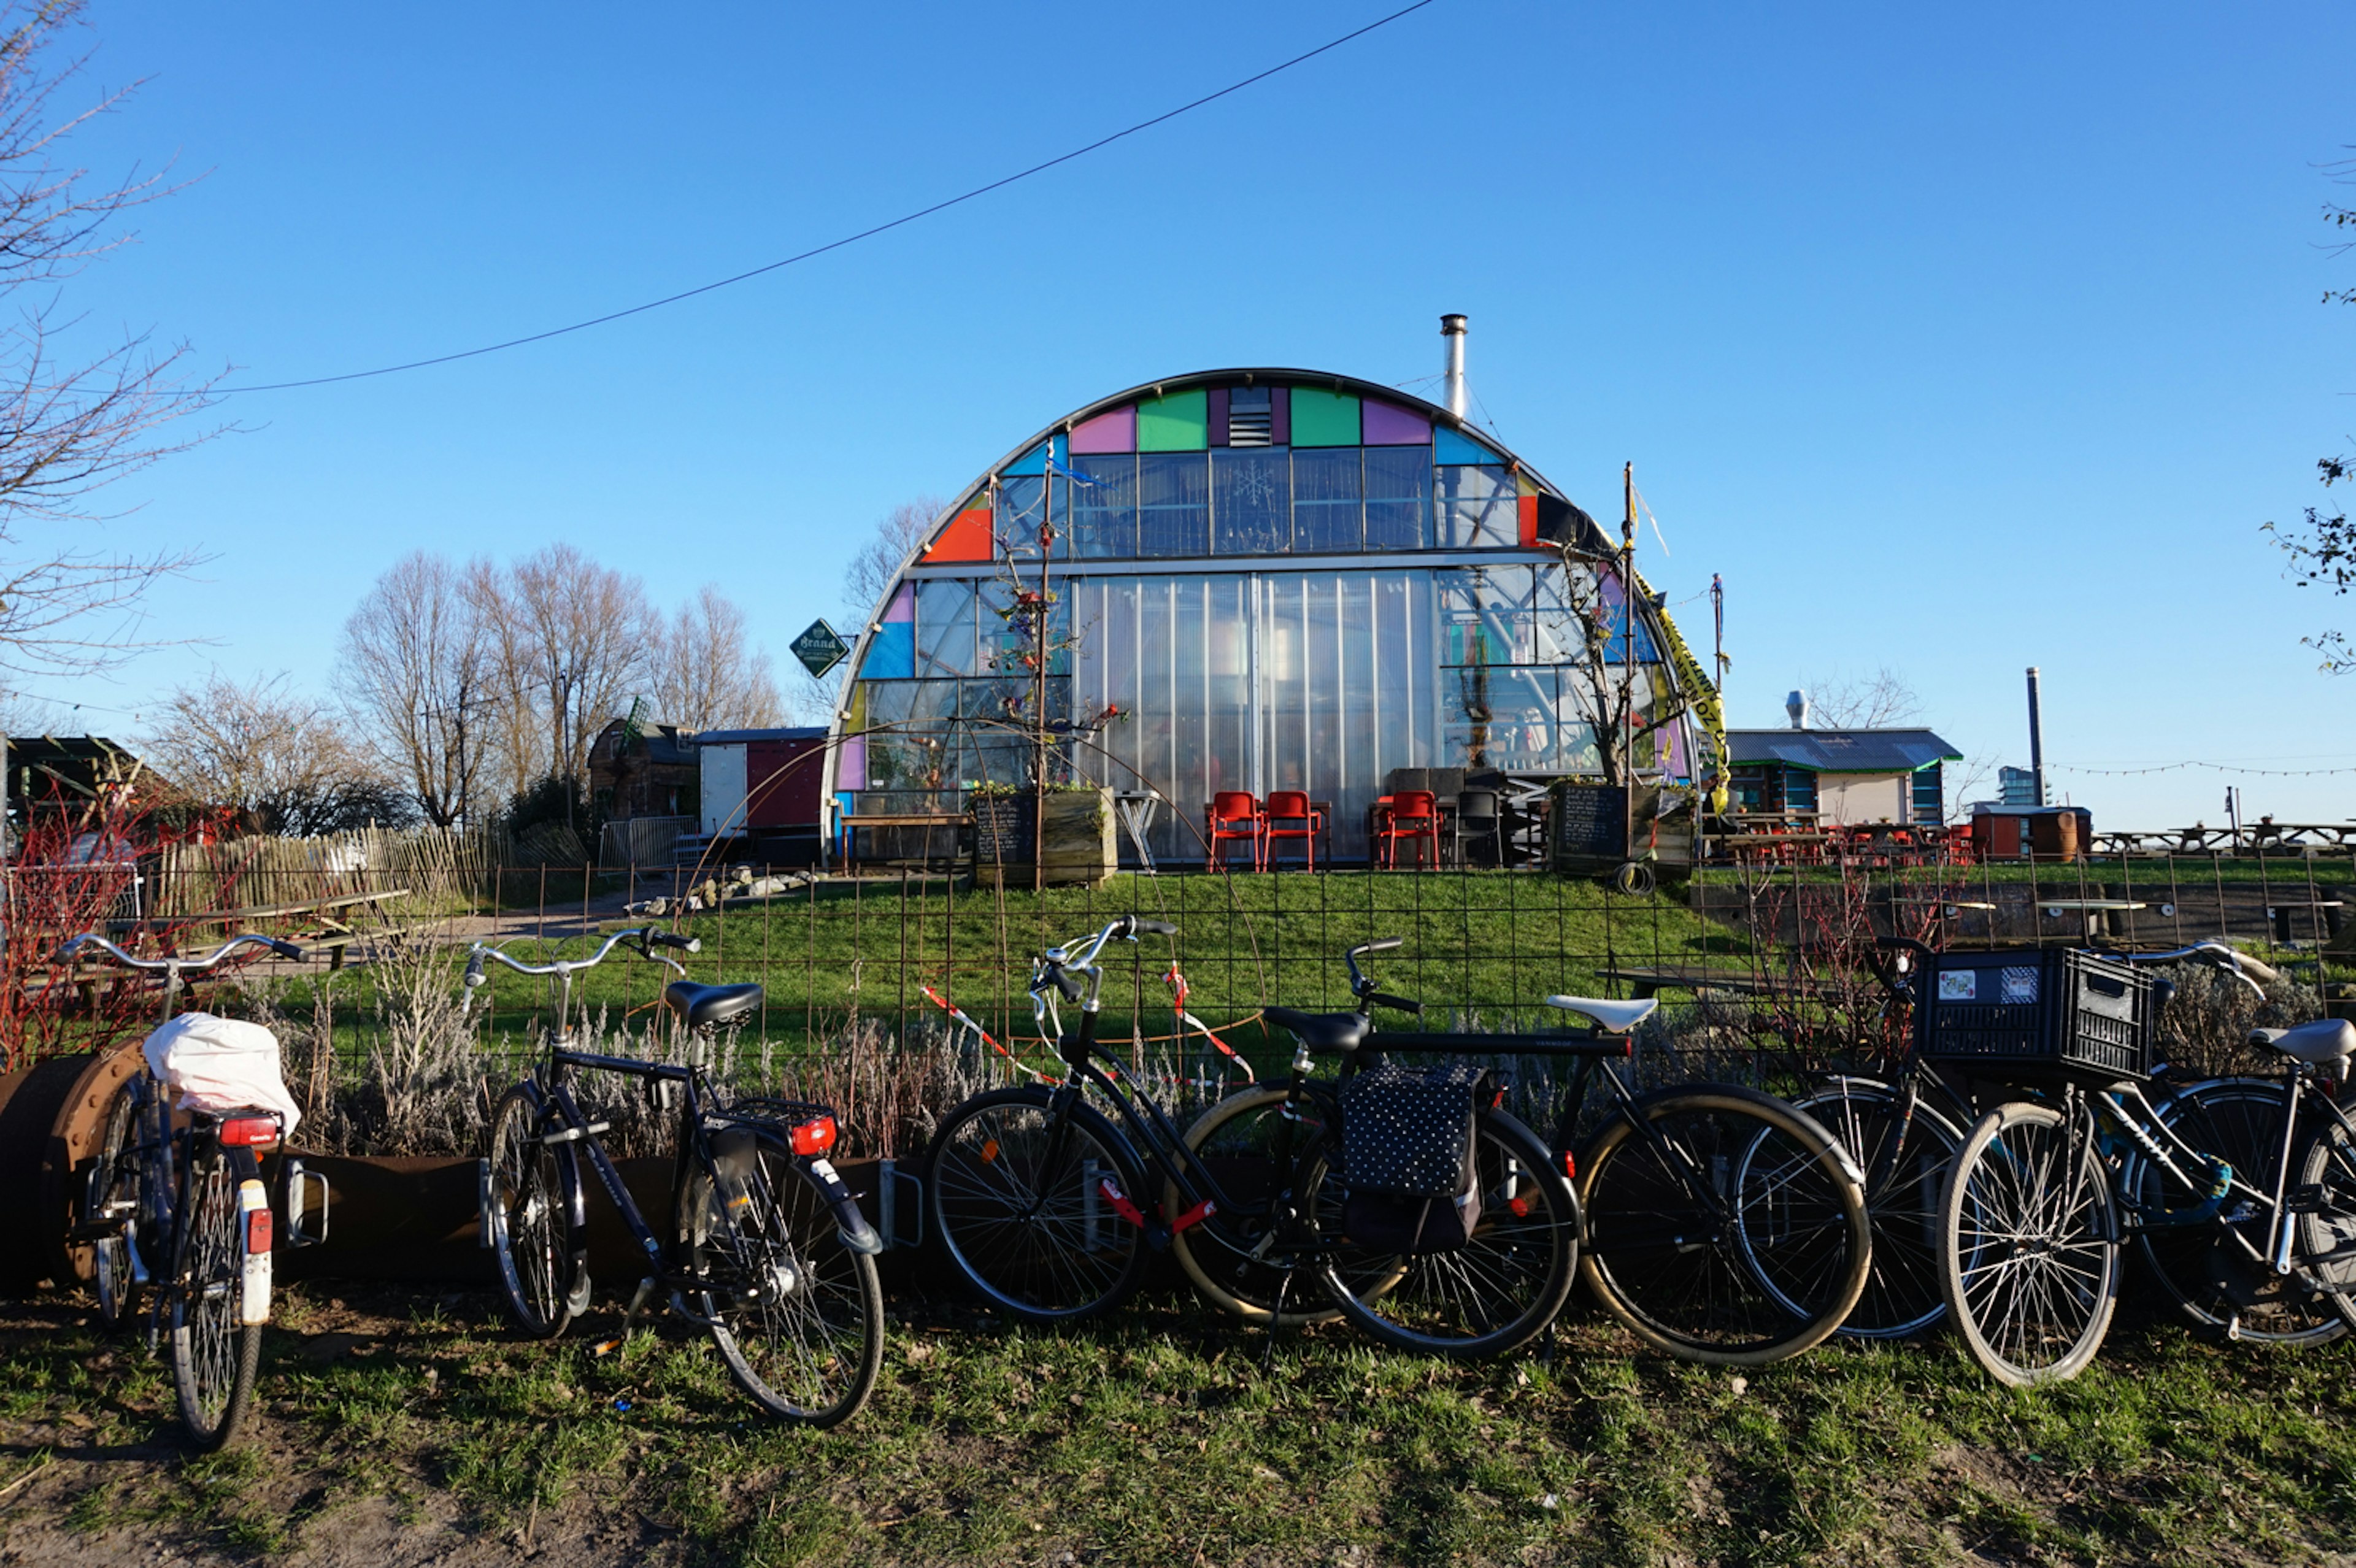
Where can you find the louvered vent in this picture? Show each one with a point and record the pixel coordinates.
(1250, 417)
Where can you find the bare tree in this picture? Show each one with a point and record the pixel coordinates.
(416, 676)
(516, 742)
(705, 673)
(585, 629)
(1881, 700)
(877, 566)
(280, 756)
(74, 416)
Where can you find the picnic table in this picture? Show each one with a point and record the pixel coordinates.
(854, 821)
(1648, 981)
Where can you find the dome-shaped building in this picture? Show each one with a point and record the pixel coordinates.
(1281, 579)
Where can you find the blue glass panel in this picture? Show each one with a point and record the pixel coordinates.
(1251, 500)
(1452, 446)
(891, 653)
(1398, 496)
(1328, 493)
(1173, 512)
(1034, 460)
(945, 627)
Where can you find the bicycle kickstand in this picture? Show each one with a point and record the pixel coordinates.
(638, 1299)
(1275, 1321)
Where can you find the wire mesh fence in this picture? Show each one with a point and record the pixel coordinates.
(897, 987)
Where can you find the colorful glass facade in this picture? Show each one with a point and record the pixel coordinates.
(1281, 579)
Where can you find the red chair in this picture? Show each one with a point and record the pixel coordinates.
(1289, 805)
(1233, 814)
(1414, 814)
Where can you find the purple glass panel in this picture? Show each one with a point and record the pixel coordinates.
(1388, 424)
(851, 766)
(1218, 412)
(903, 606)
(1114, 432)
(1280, 416)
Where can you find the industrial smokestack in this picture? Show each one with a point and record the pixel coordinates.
(2036, 742)
(1796, 705)
(1451, 327)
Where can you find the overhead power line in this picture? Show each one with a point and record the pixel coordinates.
(2212, 767)
(979, 190)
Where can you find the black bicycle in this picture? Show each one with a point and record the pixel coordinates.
(1723, 1225)
(1047, 1205)
(768, 1248)
(175, 1210)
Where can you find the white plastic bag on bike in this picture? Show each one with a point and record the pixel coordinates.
(222, 1064)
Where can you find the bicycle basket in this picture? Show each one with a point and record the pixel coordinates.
(1407, 1157)
(2036, 1014)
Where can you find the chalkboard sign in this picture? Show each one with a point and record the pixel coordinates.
(1003, 828)
(1591, 824)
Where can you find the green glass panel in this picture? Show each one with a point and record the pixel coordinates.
(1323, 419)
(1179, 423)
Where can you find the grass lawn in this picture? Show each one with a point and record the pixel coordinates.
(394, 1431)
(1476, 941)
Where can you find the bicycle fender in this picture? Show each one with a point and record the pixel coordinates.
(849, 1223)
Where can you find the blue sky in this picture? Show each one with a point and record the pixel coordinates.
(1957, 340)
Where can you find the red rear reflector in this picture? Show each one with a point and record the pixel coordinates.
(814, 1137)
(246, 1132)
(257, 1231)
(1570, 1167)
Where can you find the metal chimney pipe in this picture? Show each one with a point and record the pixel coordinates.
(2036, 741)
(1451, 327)
(1796, 705)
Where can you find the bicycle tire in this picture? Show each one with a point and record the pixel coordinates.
(215, 1353)
(796, 1316)
(2029, 1275)
(2213, 1285)
(2325, 1235)
(1234, 1133)
(1041, 1241)
(1500, 1290)
(114, 1184)
(1762, 1263)
(1901, 1296)
(540, 1272)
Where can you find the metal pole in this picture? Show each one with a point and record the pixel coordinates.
(2036, 741)
(1628, 663)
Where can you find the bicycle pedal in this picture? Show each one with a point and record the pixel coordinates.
(2307, 1200)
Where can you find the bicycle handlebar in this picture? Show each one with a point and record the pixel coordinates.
(2241, 967)
(646, 938)
(1396, 1004)
(177, 965)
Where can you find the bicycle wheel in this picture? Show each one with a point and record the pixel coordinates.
(1237, 1140)
(112, 1210)
(215, 1352)
(2025, 1263)
(2221, 1287)
(797, 1315)
(530, 1188)
(1498, 1292)
(2327, 1231)
(1728, 1229)
(1901, 1196)
(1020, 1199)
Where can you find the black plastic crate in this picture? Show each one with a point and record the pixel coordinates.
(2034, 1014)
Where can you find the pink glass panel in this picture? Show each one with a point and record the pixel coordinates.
(851, 767)
(903, 606)
(1114, 432)
(1386, 424)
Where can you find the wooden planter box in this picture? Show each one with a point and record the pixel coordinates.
(1080, 846)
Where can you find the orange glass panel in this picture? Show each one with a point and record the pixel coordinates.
(967, 537)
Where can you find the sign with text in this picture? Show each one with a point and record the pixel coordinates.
(819, 647)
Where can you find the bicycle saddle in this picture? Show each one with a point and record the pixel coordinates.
(2319, 1041)
(1321, 1031)
(702, 1006)
(1618, 1018)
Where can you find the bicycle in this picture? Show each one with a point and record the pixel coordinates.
(173, 1207)
(768, 1250)
(1722, 1225)
(2046, 1189)
(1036, 1193)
